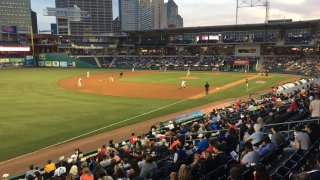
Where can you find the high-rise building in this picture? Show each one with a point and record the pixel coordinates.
(159, 14)
(98, 21)
(116, 25)
(34, 22)
(174, 19)
(129, 13)
(179, 22)
(145, 15)
(16, 13)
(172, 13)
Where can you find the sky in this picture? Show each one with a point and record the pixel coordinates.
(214, 12)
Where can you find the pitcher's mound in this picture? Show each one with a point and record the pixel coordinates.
(189, 78)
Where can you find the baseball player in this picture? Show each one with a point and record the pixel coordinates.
(188, 72)
(247, 83)
(111, 78)
(206, 86)
(121, 74)
(79, 81)
(88, 74)
(183, 85)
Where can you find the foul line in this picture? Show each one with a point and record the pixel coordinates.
(91, 132)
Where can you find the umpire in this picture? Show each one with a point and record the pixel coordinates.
(206, 86)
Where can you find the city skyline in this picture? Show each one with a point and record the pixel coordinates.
(200, 13)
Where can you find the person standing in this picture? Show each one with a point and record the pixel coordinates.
(247, 83)
(88, 74)
(188, 72)
(315, 107)
(183, 85)
(132, 68)
(111, 78)
(121, 74)
(206, 86)
(79, 82)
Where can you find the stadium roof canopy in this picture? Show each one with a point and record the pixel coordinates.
(239, 27)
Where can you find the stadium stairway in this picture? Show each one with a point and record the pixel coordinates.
(97, 61)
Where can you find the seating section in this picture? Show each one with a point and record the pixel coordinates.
(89, 60)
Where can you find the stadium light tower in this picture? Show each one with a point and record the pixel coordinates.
(73, 14)
(253, 3)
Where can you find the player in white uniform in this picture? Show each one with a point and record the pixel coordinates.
(79, 82)
(88, 74)
(111, 78)
(247, 83)
(188, 72)
(183, 85)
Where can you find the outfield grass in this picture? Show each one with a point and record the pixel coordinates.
(36, 113)
(214, 79)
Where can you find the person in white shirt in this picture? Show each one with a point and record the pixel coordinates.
(183, 85)
(79, 82)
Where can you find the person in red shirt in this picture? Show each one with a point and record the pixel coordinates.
(294, 105)
(133, 138)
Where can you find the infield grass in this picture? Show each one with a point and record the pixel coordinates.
(36, 113)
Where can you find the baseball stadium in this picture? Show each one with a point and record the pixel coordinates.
(214, 102)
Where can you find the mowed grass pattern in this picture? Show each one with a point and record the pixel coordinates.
(36, 113)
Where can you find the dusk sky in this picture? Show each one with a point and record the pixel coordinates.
(214, 12)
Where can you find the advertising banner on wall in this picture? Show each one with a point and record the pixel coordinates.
(71, 64)
(241, 62)
(9, 29)
(63, 64)
(48, 63)
(3, 60)
(186, 117)
(55, 63)
(42, 57)
(41, 63)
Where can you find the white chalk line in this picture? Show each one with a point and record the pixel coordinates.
(91, 132)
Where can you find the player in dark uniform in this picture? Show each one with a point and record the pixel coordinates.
(206, 86)
(121, 74)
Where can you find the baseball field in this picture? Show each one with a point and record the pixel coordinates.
(43, 107)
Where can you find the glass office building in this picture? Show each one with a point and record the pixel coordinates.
(98, 21)
(16, 13)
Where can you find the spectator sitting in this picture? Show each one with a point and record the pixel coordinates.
(266, 146)
(206, 164)
(313, 130)
(302, 140)
(31, 171)
(180, 154)
(60, 170)
(249, 156)
(195, 166)
(235, 173)
(49, 169)
(133, 138)
(257, 136)
(220, 156)
(174, 143)
(148, 167)
(184, 173)
(261, 173)
(162, 149)
(86, 174)
(203, 144)
(277, 137)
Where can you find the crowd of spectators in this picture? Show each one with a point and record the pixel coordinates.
(236, 136)
(309, 65)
